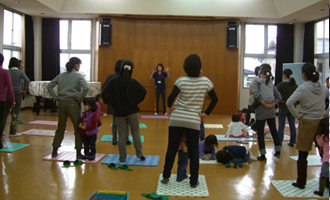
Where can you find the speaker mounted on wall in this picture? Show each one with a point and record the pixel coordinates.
(232, 35)
(105, 32)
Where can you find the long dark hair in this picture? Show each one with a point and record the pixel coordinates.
(323, 129)
(13, 62)
(211, 140)
(72, 62)
(310, 72)
(266, 69)
(126, 71)
(288, 73)
(118, 65)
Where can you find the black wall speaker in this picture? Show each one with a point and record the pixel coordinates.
(105, 32)
(232, 35)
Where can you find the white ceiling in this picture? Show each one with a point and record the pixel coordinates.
(266, 11)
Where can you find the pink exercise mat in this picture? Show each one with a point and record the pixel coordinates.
(154, 117)
(41, 122)
(39, 132)
(71, 156)
(285, 138)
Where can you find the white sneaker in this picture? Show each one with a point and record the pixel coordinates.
(5, 137)
(165, 114)
(156, 114)
(16, 135)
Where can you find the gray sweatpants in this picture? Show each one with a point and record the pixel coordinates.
(133, 121)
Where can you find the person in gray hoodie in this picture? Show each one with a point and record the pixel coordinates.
(311, 95)
(266, 93)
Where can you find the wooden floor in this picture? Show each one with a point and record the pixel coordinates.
(25, 175)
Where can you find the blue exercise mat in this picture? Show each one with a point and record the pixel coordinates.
(151, 161)
(141, 125)
(11, 147)
(108, 138)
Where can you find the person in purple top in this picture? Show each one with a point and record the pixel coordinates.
(207, 147)
(5, 86)
(160, 87)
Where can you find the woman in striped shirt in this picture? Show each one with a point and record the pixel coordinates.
(186, 116)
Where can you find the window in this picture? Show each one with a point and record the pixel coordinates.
(12, 36)
(260, 47)
(76, 41)
(321, 59)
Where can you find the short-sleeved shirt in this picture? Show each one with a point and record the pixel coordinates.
(160, 80)
(189, 103)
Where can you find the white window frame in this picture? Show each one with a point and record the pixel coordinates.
(265, 55)
(69, 50)
(13, 48)
(323, 56)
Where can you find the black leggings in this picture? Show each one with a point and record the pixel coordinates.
(302, 155)
(158, 93)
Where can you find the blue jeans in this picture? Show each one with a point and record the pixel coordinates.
(282, 113)
(182, 166)
(202, 131)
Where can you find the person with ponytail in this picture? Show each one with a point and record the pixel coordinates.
(124, 94)
(286, 89)
(311, 95)
(16, 77)
(71, 91)
(267, 94)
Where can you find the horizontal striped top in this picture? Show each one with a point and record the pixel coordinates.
(189, 103)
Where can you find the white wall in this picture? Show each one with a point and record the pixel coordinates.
(298, 51)
(1, 25)
(37, 30)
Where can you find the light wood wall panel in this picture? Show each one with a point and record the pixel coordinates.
(148, 42)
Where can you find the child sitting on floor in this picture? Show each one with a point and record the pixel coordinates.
(98, 100)
(322, 142)
(233, 153)
(88, 125)
(206, 147)
(183, 158)
(235, 127)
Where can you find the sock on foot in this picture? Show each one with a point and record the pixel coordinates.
(54, 153)
(142, 158)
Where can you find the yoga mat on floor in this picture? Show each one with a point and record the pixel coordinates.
(289, 191)
(201, 161)
(182, 189)
(40, 132)
(71, 156)
(151, 161)
(11, 147)
(108, 138)
(213, 126)
(154, 117)
(285, 138)
(141, 125)
(313, 160)
(287, 125)
(223, 138)
(42, 122)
